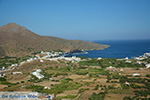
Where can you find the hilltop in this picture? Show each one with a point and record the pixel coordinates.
(16, 40)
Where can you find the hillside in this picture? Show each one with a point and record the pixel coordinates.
(17, 40)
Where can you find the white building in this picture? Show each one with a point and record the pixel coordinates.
(38, 70)
(21, 63)
(17, 73)
(126, 83)
(37, 74)
(146, 55)
(136, 74)
(37, 56)
(99, 58)
(47, 87)
(139, 58)
(41, 60)
(128, 61)
(126, 58)
(147, 65)
(138, 62)
(14, 65)
(3, 68)
(31, 59)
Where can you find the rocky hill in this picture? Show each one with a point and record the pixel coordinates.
(17, 40)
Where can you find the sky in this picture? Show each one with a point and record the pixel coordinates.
(80, 19)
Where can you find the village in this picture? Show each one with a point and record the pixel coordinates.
(51, 56)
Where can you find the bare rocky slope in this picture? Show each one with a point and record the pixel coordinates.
(17, 40)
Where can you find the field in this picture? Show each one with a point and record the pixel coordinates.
(85, 80)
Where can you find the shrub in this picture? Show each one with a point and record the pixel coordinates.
(96, 87)
(22, 81)
(2, 79)
(99, 96)
(35, 88)
(69, 79)
(127, 98)
(82, 72)
(148, 75)
(82, 90)
(6, 83)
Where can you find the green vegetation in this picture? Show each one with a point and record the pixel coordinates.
(84, 57)
(106, 62)
(136, 86)
(46, 75)
(66, 97)
(96, 87)
(36, 53)
(40, 89)
(121, 91)
(5, 82)
(98, 71)
(82, 90)
(69, 79)
(82, 72)
(148, 75)
(58, 74)
(99, 96)
(139, 95)
(65, 69)
(36, 88)
(147, 60)
(58, 88)
(35, 79)
(22, 81)
(123, 79)
(2, 79)
(92, 62)
(78, 76)
(7, 61)
(65, 85)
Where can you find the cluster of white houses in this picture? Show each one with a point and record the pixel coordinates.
(146, 55)
(53, 56)
(72, 59)
(56, 56)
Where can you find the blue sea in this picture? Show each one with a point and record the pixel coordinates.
(120, 49)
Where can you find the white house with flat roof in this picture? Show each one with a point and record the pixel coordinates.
(136, 74)
(16, 73)
(38, 74)
(147, 65)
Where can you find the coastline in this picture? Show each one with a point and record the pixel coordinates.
(120, 49)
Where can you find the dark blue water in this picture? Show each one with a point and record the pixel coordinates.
(121, 49)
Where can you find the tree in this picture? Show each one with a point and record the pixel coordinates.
(96, 87)
(127, 98)
(123, 79)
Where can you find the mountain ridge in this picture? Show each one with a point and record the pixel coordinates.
(16, 40)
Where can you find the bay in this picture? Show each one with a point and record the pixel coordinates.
(120, 49)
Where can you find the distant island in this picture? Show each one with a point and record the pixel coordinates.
(17, 40)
